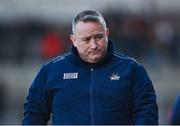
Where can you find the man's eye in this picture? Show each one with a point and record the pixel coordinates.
(99, 36)
(86, 39)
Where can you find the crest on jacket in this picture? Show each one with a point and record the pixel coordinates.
(114, 76)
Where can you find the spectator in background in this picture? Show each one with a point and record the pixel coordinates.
(175, 117)
(168, 40)
(134, 38)
(51, 44)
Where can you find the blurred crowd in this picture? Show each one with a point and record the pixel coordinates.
(150, 39)
(31, 40)
(153, 39)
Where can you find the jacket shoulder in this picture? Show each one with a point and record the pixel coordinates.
(124, 57)
(58, 59)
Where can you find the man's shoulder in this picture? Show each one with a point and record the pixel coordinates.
(123, 57)
(58, 59)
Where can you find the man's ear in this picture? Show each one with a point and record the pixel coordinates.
(107, 31)
(73, 39)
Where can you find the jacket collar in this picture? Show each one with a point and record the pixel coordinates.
(75, 58)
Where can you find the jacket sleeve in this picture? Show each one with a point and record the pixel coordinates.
(175, 118)
(36, 110)
(145, 109)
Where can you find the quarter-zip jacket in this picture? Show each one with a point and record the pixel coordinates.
(116, 90)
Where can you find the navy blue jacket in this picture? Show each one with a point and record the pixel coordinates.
(175, 118)
(116, 90)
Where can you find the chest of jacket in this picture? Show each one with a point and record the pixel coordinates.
(106, 87)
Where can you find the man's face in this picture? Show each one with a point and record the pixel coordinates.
(91, 41)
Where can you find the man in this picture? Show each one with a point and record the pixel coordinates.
(92, 84)
(175, 117)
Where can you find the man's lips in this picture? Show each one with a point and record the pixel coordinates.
(95, 52)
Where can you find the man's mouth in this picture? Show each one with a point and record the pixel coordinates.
(95, 52)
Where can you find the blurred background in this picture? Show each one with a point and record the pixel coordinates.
(34, 31)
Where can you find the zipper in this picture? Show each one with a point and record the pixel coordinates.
(91, 98)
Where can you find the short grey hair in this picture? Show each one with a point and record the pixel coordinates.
(88, 16)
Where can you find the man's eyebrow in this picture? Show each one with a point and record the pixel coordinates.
(100, 33)
(84, 37)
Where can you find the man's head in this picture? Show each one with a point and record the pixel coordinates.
(90, 35)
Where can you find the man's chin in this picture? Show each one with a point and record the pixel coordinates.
(95, 60)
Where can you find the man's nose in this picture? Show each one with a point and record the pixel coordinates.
(93, 44)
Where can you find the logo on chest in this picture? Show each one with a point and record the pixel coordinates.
(70, 76)
(114, 76)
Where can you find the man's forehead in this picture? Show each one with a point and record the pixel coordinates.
(84, 25)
